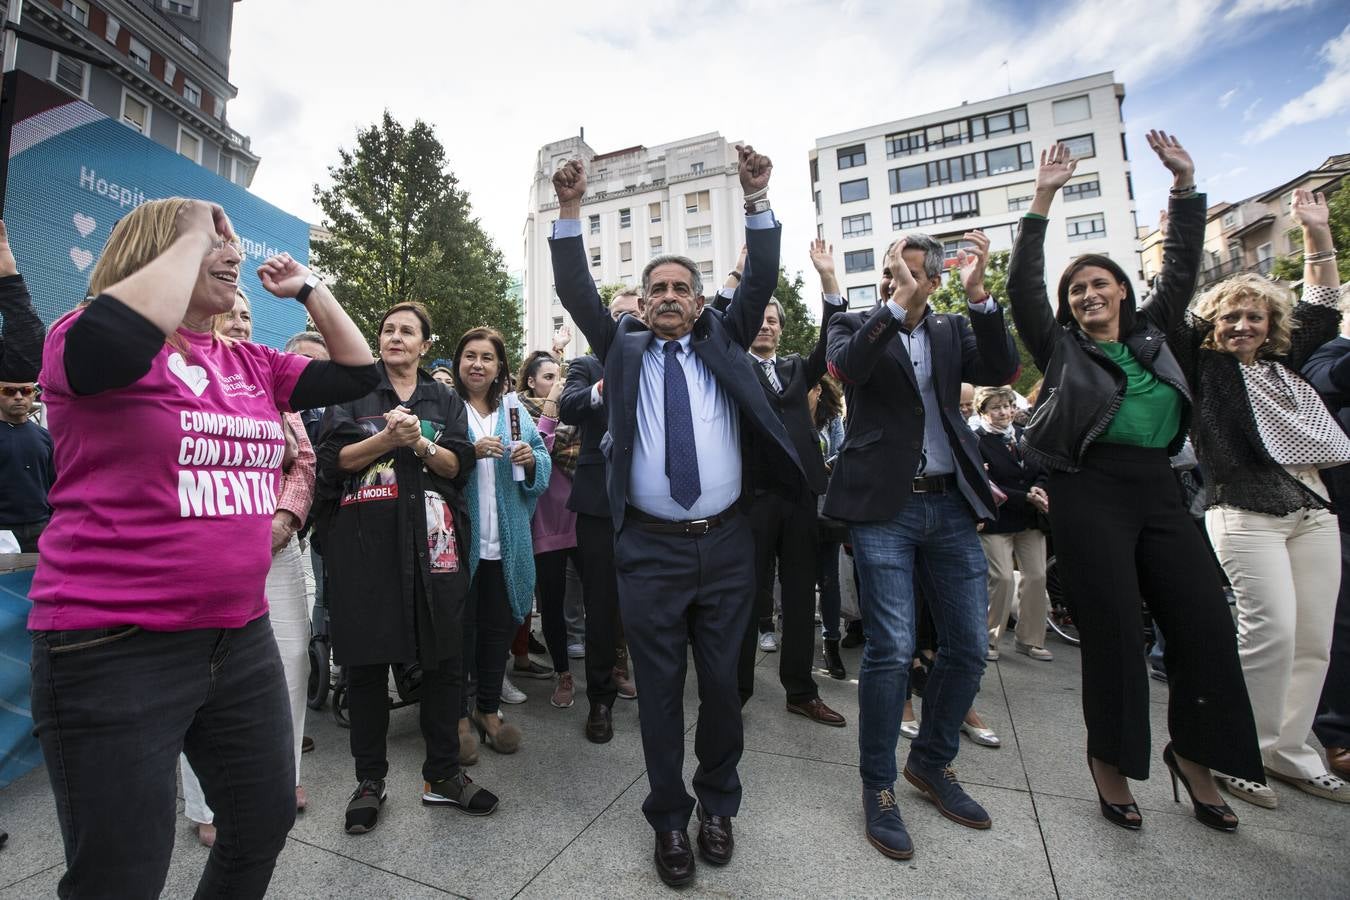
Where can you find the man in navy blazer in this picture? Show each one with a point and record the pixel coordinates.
(680, 390)
(910, 481)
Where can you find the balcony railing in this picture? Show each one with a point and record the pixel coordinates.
(1215, 274)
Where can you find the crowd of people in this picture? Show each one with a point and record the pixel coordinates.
(713, 499)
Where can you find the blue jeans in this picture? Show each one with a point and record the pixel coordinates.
(113, 708)
(934, 538)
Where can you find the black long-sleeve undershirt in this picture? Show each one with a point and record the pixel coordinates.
(21, 339)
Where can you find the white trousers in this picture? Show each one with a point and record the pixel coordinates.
(288, 605)
(1027, 550)
(1286, 573)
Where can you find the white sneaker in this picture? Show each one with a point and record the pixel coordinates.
(768, 642)
(992, 655)
(576, 651)
(1040, 653)
(511, 693)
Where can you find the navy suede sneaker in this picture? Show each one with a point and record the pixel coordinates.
(885, 829)
(941, 786)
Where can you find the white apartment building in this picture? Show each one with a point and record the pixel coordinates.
(948, 172)
(683, 197)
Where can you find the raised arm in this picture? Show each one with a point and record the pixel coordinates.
(1184, 240)
(745, 313)
(855, 344)
(577, 405)
(988, 354)
(21, 340)
(822, 258)
(571, 269)
(1027, 297)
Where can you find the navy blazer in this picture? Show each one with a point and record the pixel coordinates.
(720, 340)
(589, 495)
(871, 481)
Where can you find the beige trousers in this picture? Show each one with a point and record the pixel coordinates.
(1027, 550)
(1286, 573)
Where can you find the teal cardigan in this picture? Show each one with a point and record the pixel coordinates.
(515, 507)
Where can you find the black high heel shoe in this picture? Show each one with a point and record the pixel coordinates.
(1218, 816)
(1116, 813)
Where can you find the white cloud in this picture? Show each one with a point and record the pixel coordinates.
(1250, 112)
(1329, 97)
(1227, 97)
(1245, 8)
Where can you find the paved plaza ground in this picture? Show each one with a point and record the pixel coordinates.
(570, 823)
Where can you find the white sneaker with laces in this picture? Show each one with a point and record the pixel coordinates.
(511, 693)
(768, 642)
(1040, 653)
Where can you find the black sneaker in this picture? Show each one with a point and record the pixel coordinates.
(363, 809)
(460, 792)
(537, 646)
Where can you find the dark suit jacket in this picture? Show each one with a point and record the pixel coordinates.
(797, 376)
(1016, 514)
(720, 340)
(884, 439)
(574, 408)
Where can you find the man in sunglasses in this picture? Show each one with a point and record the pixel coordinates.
(26, 472)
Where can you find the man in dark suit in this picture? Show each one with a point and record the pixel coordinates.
(910, 481)
(680, 392)
(783, 512)
(583, 404)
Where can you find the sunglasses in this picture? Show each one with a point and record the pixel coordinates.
(16, 391)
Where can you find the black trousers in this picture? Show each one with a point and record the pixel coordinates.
(785, 533)
(600, 595)
(438, 714)
(1332, 725)
(674, 588)
(550, 583)
(1121, 535)
(488, 628)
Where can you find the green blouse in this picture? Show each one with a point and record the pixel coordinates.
(1150, 414)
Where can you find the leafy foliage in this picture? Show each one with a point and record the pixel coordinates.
(951, 298)
(1290, 268)
(800, 333)
(402, 229)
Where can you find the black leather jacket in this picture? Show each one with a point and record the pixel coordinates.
(1083, 388)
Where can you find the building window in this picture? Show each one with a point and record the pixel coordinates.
(595, 256)
(170, 71)
(931, 212)
(852, 191)
(700, 236)
(1083, 228)
(135, 112)
(859, 261)
(857, 226)
(696, 168)
(70, 74)
(1083, 190)
(958, 131)
(953, 247)
(192, 94)
(696, 202)
(905, 144)
(626, 251)
(705, 269)
(77, 10)
(817, 202)
(849, 157)
(961, 168)
(595, 224)
(815, 170)
(657, 246)
(189, 145)
(557, 324)
(182, 7)
(113, 29)
(1021, 195)
(1072, 109)
(1229, 219)
(140, 54)
(862, 297)
(1081, 147)
(654, 212)
(625, 218)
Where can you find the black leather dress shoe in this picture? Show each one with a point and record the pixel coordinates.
(714, 838)
(674, 858)
(599, 724)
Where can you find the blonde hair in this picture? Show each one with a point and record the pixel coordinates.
(1277, 300)
(137, 238)
(984, 394)
(220, 320)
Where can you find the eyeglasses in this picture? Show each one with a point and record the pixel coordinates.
(16, 391)
(221, 244)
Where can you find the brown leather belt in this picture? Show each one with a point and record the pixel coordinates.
(934, 484)
(688, 527)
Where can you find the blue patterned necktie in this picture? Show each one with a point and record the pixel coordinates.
(681, 452)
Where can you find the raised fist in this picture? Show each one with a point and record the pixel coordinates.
(569, 182)
(753, 168)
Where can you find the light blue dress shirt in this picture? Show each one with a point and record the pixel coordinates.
(937, 456)
(717, 433)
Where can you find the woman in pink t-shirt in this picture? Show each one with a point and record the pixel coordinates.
(147, 639)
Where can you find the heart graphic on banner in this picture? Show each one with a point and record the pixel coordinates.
(84, 224)
(192, 376)
(81, 258)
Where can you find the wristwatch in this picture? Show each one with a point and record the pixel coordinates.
(310, 283)
(430, 451)
(755, 207)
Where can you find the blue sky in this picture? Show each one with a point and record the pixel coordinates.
(499, 80)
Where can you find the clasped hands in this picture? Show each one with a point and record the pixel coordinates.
(492, 447)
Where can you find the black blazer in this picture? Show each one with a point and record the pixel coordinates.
(574, 408)
(884, 437)
(720, 339)
(1014, 479)
(797, 376)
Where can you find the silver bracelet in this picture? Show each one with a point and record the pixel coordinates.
(1319, 256)
(756, 195)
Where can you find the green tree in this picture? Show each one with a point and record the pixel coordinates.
(1290, 268)
(402, 229)
(799, 331)
(609, 291)
(951, 298)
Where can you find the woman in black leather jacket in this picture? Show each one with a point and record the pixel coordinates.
(1114, 406)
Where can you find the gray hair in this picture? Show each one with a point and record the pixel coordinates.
(696, 280)
(934, 258)
(312, 337)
